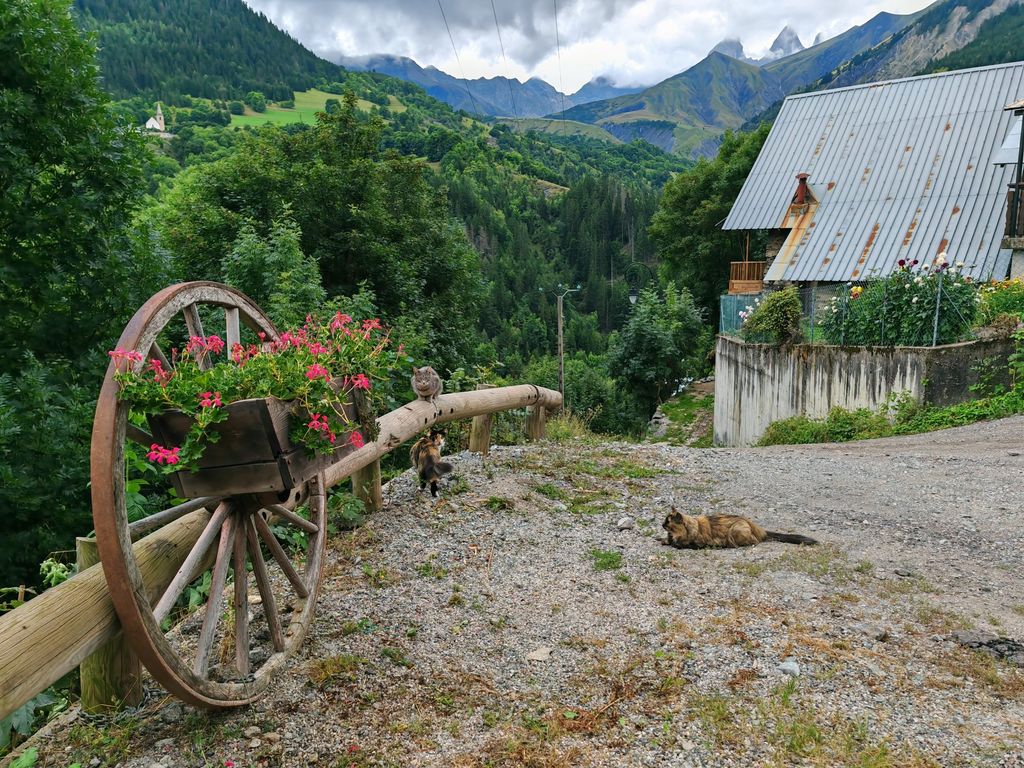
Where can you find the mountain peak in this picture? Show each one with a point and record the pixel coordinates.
(786, 43)
(731, 46)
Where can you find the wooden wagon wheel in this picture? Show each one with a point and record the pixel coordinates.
(238, 530)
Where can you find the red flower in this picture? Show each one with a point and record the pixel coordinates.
(316, 371)
(356, 440)
(359, 381)
(209, 399)
(339, 321)
(162, 455)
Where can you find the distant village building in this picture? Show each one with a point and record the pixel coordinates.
(851, 181)
(156, 123)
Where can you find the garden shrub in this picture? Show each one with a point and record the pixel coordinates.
(1001, 297)
(899, 310)
(775, 319)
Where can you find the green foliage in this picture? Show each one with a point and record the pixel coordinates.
(997, 42)
(210, 48)
(605, 560)
(364, 215)
(899, 310)
(69, 176)
(55, 572)
(775, 319)
(686, 228)
(1004, 297)
(236, 107)
(275, 273)
(256, 101)
(345, 511)
(663, 343)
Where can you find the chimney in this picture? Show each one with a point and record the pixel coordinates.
(802, 191)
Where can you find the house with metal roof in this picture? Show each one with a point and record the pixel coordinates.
(852, 180)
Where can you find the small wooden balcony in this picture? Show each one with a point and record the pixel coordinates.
(746, 277)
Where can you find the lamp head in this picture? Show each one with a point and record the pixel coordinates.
(634, 294)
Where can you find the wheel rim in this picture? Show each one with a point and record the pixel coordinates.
(185, 661)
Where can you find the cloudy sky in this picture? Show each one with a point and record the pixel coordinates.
(633, 41)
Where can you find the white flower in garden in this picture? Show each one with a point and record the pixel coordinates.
(941, 259)
(914, 300)
(917, 280)
(959, 264)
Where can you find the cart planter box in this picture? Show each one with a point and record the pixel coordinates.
(254, 453)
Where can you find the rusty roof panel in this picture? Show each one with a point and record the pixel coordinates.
(887, 165)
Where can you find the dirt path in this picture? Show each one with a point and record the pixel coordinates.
(515, 624)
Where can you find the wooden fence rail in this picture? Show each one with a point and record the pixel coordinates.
(44, 639)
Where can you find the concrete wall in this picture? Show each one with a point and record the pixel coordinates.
(756, 384)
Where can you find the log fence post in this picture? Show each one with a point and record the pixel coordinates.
(112, 676)
(366, 486)
(480, 430)
(536, 422)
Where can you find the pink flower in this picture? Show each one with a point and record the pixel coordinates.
(160, 375)
(229, 764)
(370, 325)
(356, 440)
(215, 344)
(316, 371)
(359, 381)
(209, 399)
(339, 321)
(316, 348)
(161, 455)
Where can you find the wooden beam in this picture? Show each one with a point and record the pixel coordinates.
(536, 423)
(47, 637)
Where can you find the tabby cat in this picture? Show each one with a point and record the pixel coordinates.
(426, 457)
(704, 531)
(426, 383)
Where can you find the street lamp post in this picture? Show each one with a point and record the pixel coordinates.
(637, 275)
(561, 292)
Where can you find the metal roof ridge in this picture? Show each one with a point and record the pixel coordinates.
(876, 83)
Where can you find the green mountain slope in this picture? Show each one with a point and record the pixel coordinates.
(999, 40)
(209, 48)
(688, 113)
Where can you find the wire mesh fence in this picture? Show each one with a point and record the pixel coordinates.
(913, 311)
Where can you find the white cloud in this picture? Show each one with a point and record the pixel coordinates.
(633, 41)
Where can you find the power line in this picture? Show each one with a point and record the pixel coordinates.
(507, 74)
(558, 48)
(458, 61)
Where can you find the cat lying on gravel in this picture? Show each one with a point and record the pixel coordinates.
(705, 531)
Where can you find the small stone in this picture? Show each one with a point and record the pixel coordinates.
(272, 737)
(1013, 453)
(790, 668)
(165, 744)
(151, 765)
(541, 654)
(172, 713)
(94, 762)
(252, 732)
(883, 635)
(687, 745)
(312, 757)
(903, 572)
(255, 744)
(625, 523)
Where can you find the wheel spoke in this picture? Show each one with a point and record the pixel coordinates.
(259, 569)
(188, 568)
(233, 333)
(299, 522)
(138, 435)
(155, 353)
(279, 555)
(169, 515)
(195, 328)
(217, 582)
(241, 598)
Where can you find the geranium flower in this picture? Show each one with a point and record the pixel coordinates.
(339, 321)
(356, 440)
(209, 399)
(316, 371)
(161, 455)
(359, 381)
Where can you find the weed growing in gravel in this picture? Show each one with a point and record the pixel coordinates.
(591, 502)
(112, 740)
(606, 560)
(379, 577)
(430, 569)
(1018, 609)
(396, 656)
(628, 469)
(458, 485)
(500, 504)
(934, 620)
(364, 625)
(552, 491)
(906, 585)
(341, 668)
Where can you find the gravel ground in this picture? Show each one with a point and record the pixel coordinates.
(512, 623)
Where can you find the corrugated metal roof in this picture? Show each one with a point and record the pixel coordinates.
(900, 169)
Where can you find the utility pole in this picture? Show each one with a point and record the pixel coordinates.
(560, 293)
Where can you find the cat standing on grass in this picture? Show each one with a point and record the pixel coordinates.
(426, 457)
(706, 531)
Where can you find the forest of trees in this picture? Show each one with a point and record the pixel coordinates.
(455, 230)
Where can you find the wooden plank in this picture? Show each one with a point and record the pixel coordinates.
(233, 333)
(536, 423)
(44, 639)
(195, 328)
(111, 677)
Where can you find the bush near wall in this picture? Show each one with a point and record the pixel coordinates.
(1001, 297)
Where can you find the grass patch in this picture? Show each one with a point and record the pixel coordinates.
(552, 491)
(682, 412)
(591, 503)
(379, 577)
(605, 559)
(429, 569)
(458, 485)
(500, 504)
(112, 741)
(396, 656)
(334, 669)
